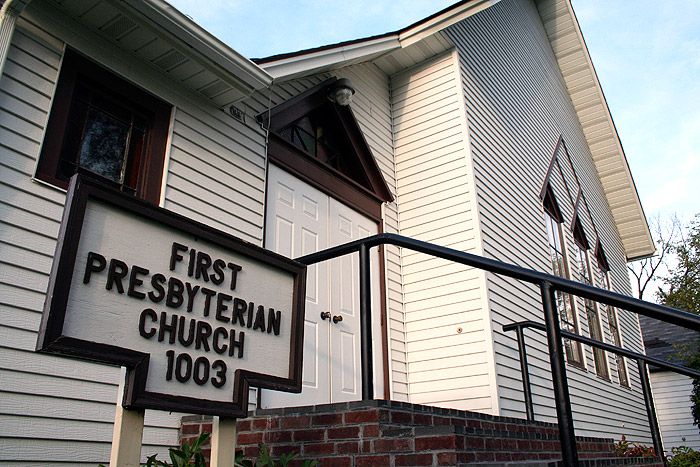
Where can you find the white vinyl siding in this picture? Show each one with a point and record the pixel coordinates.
(371, 106)
(447, 342)
(672, 401)
(56, 410)
(517, 108)
(51, 409)
(217, 173)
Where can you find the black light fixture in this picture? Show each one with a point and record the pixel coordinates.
(341, 92)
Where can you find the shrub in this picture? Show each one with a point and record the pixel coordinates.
(624, 448)
(265, 460)
(684, 456)
(189, 455)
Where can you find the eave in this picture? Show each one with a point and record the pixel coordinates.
(328, 57)
(324, 58)
(208, 49)
(598, 126)
(155, 33)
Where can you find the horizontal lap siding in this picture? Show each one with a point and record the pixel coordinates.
(59, 410)
(50, 407)
(517, 108)
(217, 173)
(278, 93)
(672, 400)
(447, 347)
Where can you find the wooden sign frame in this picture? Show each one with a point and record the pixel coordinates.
(83, 190)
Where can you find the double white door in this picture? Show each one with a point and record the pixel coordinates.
(302, 220)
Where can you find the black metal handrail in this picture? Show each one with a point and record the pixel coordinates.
(641, 359)
(548, 284)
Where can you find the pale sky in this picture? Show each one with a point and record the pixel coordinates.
(646, 54)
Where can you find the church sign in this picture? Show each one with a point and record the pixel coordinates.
(195, 315)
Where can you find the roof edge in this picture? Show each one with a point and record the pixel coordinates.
(287, 65)
(636, 246)
(647, 232)
(442, 19)
(306, 60)
(213, 51)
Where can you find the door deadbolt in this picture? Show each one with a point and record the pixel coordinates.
(325, 315)
(337, 319)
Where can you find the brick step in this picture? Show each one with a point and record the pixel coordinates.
(383, 433)
(535, 463)
(600, 462)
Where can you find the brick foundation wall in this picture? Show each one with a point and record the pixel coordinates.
(383, 433)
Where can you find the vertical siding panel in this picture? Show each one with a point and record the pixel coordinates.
(517, 108)
(446, 331)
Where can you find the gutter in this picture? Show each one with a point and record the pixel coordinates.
(294, 63)
(221, 58)
(326, 57)
(8, 17)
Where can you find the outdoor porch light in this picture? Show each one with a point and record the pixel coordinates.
(341, 92)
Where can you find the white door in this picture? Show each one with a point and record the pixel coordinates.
(301, 220)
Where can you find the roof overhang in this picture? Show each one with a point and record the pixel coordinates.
(598, 126)
(208, 49)
(303, 62)
(317, 60)
(157, 34)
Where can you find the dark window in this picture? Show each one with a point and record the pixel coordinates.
(585, 276)
(567, 314)
(101, 124)
(317, 134)
(603, 271)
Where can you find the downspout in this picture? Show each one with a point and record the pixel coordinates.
(9, 12)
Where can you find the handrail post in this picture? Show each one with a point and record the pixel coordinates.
(565, 419)
(366, 323)
(651, 411)
(525, 372)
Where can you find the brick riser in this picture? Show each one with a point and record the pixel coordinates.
(384, 433)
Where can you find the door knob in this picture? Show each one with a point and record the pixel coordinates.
(337, 319)
(325, 315)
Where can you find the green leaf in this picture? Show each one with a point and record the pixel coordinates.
(285, 459)
(178, 458)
